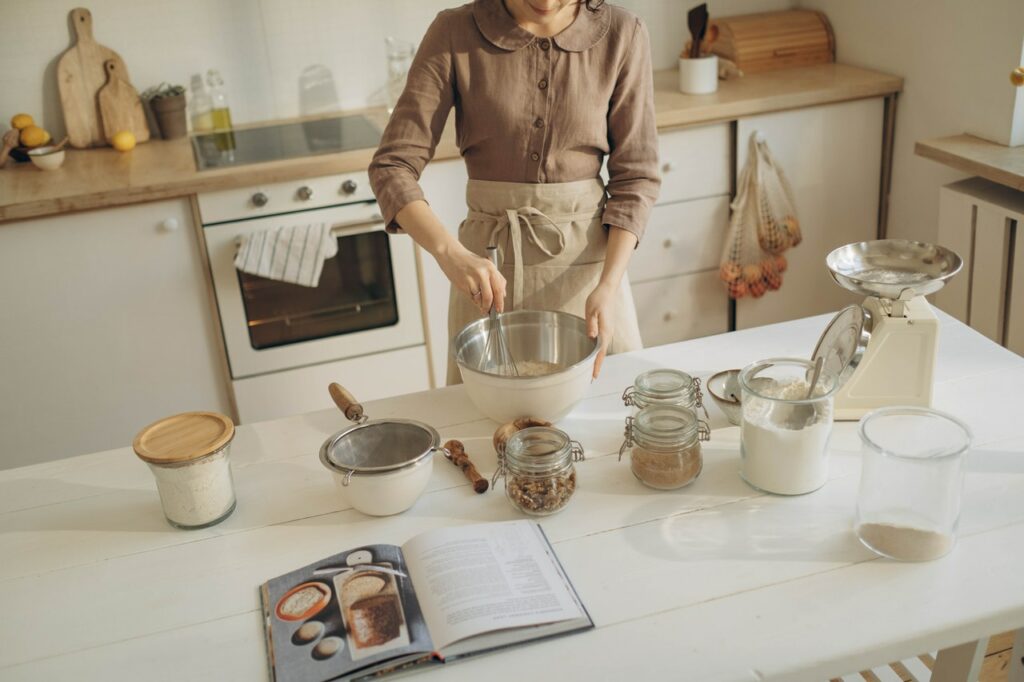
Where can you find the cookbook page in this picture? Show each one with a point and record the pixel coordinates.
(477, 579)
(345, 613)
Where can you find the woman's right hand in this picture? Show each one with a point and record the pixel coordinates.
(474, 276)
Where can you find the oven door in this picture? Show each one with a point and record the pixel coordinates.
(367, 300)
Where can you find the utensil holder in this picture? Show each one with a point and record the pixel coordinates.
(698, 76)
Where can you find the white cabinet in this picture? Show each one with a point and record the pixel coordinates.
(695, 162)
(444, 185)
(681, 238)
(107, 327)
(832, 155)
(683, 307)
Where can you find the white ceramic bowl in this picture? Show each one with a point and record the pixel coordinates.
(381, 467)
(533, 336)
(46, 158)
(723, 385)
(385, 493)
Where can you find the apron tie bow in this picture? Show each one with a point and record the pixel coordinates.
(545, 234)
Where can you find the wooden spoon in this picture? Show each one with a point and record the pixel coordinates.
(10, 141)
(697, 20)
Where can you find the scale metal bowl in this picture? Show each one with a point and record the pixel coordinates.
(894, 269)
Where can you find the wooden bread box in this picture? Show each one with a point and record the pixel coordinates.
(774, 40)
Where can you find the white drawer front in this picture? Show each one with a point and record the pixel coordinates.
(680, 308)
(234, 204)
(695, 162)
(297, 391)
(682, 238)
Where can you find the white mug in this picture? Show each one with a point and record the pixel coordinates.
(698, 76)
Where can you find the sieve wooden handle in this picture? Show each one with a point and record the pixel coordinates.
(346, 402)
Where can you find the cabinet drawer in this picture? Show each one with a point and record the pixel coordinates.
(695, 162)
(681, 238)
(680, 308)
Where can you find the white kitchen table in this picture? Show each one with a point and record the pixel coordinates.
(712, 582)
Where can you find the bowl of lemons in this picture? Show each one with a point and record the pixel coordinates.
(28, 141)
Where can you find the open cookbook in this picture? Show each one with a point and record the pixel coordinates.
(443, 595)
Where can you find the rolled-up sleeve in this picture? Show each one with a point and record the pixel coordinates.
(416, 124)
(634, 181)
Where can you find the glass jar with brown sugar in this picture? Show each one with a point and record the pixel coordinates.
(663, 442)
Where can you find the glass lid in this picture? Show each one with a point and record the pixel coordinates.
(664, 383)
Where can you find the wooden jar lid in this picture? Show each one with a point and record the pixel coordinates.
(183, 437)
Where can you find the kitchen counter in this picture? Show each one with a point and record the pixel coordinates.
(712, 582)
(976, 156)
(100, 178)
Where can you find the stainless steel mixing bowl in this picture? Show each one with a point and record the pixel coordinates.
(534, 336)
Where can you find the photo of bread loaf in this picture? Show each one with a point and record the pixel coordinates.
(371, 608)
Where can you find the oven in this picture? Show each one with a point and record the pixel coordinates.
(362, 325)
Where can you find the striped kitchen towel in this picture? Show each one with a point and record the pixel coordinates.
(293, 254)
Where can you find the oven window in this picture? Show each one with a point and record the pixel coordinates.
(356, 293)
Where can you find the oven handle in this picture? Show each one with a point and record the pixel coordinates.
(360, 226)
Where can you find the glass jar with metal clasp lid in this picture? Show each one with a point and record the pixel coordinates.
(538, 467)
(663, 442)
(664, 387)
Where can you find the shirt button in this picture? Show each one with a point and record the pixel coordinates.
(535, 156)
(543, 85)
(539, 123)
(545, 44)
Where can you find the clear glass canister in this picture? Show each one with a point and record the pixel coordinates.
(663, 442)
(664, 387)
(537, 465)
(784, 434)
(188, 455)
(912, 474)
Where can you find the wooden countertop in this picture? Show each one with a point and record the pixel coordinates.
(101, 178)
(976, 156)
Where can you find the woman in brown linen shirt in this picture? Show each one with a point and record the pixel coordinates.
(543, 91)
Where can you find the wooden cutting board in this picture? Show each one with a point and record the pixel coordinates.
(80, 75)
(120, 106)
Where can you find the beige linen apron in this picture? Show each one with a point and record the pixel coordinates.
(552, 246)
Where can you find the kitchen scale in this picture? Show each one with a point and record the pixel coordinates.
(883, 351)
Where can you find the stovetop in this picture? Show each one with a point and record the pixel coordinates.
(284, 141)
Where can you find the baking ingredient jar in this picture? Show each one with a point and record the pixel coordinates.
(188, 455)
(539, 471)
(912, 474)
(784, 434)
(663, 442)
(664, 387)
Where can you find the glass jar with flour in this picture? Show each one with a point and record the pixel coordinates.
(786, 427)
(188, 455)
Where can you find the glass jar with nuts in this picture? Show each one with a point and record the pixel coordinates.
(664, 387)
(663, 442)
(537, 465)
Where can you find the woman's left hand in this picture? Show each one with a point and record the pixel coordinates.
(600, 319)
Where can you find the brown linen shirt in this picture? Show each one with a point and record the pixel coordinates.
(529, 109)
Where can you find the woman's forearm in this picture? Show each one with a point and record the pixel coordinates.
(420, 222)
(621, 244)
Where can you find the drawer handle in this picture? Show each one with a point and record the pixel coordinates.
(668, 167)
(667, 317)
(667, 243)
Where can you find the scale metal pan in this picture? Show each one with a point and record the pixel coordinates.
(896, 269)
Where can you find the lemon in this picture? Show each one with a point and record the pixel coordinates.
(33, 136)
(123, 141)
(19, 121)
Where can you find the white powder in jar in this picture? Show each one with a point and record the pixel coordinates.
(785, 447)
(198, 493)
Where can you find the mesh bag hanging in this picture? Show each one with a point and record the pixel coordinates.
(747, 268)
(778, 227)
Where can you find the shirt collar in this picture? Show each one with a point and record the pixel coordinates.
(501, 30)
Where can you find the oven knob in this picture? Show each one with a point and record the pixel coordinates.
(259, 199)
(349, 187)
(305, 193)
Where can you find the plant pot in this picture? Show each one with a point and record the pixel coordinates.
(170, 116)
(698, 76)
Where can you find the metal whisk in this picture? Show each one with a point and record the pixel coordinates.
(497, 357)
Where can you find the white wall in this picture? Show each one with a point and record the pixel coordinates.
(955, 57)
(270, 52)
